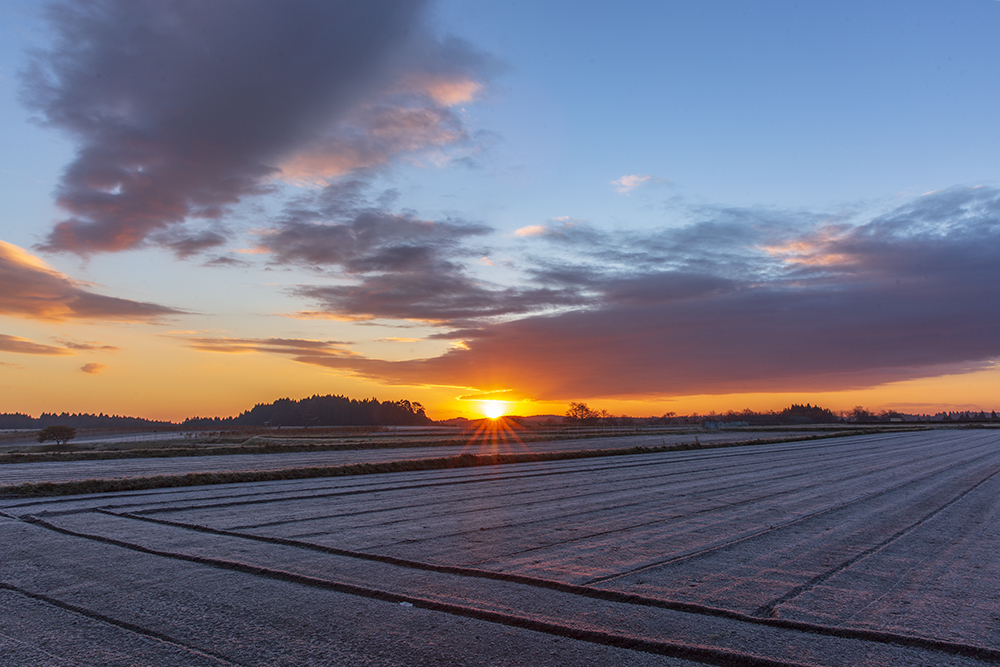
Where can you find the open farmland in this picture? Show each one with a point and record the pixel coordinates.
(338, 452)
(869, 550)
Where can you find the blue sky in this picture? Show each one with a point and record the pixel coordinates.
(427, 190)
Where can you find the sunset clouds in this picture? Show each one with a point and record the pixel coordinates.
(181, 110)
(713, 308)
(19, 345)
(312, 351)
(397, 266)
(434, 200)
(33, 290)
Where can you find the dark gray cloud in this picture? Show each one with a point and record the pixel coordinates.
(911, 293)
(187, 245)
(400, 266)
(368, 240)
(444, 298)
(182, 108)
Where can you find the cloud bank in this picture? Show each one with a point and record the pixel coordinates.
(182, 109)
(745, 301)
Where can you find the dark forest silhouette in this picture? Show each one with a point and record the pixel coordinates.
(317, 410)
(326, 410)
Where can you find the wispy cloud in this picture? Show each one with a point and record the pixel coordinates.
(626, 184)
(92, 368)
(304, 350)
(34, 290)
(19, 345)
(531, 230)
(88, 346)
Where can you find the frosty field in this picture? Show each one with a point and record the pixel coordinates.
(866, 550)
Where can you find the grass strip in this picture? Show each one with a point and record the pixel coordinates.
(78, 487)
(274, 445)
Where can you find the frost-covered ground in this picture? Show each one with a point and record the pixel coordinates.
(65, 471)
(869, 550)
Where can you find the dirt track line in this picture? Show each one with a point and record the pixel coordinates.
(702, 654)
(769, 608)
(707, 550)
(124, 625)
(879, 637)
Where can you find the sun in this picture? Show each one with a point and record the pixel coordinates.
(494, 409)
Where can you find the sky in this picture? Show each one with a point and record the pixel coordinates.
(650, 207)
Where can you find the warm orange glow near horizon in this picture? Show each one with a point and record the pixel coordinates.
(494, 409)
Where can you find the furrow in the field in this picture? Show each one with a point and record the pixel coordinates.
(323, 514)
(666, 530)
(614, 554)
(751, 573)
(196, 565)
(941, 579)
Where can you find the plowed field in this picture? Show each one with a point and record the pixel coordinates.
(868, 550)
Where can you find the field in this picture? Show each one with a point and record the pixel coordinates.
(873, 549)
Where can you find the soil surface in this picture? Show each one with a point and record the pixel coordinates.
(868, 550)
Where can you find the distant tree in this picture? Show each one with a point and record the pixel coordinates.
(60, 433)
(579, 412)
(861, 414)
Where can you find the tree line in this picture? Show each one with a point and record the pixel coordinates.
(17, 420)
(795, 414)
(329, 410)
(316, 410)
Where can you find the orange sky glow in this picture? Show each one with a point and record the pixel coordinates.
(397, 201)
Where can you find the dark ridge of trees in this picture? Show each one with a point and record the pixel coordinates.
(81, 420)
(968, 416)
(793, 415)
(318, 410)
(807, 414)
